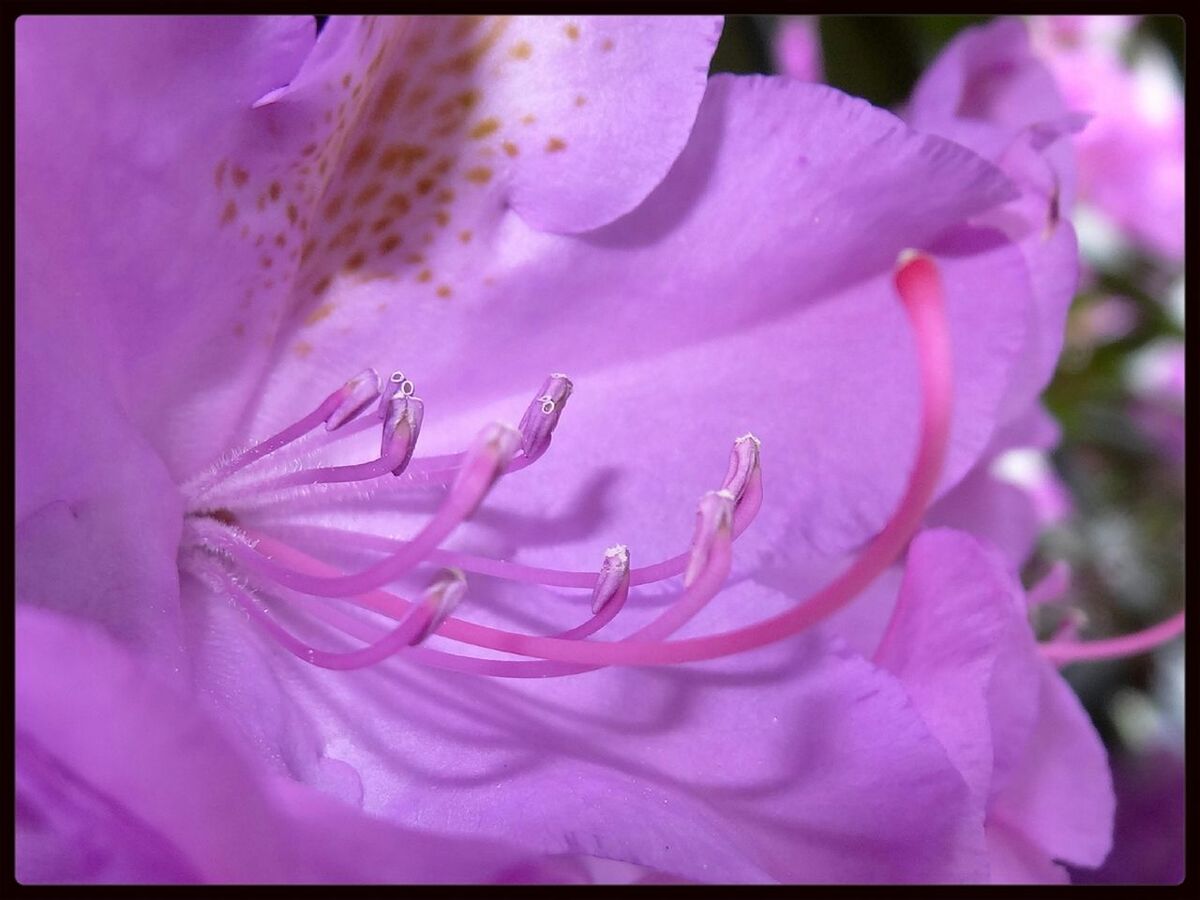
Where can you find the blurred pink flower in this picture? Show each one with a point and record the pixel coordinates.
(797, 48)
(255, 217)
(1131, 162)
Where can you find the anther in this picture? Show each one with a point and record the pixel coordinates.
(403, 424)
(397, 384)
(714, 516)
(613, 577)
(441, 598)
(743, 462)
(356, 394)
(542, 414)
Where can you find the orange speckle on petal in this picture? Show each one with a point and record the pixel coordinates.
(308, 150)
(424, 275)
(415, 259)
(606, 45)
(442, 218)
(239, 176)
(510, 148)
(325, 310)
(281, 240)
(554, 145)
(292, 213)
(445, 195)
(465, 236)
(275, 190)
(443, 290)
(528, 119)
(521, 50)
(572, 31)
(388, 95)
(483, 128)
(361, 154)
(356, 261)
(580, 100)
(389, 243)
(334, 206)
(367, 194)
(229, 213)
(381, 224)
(479, 174)
(425, 185)
(399, 204)
(346, 79)
(302, 349)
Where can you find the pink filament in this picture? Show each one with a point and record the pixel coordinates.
(395, 640)
(682, 610)
(459, 504)
(376, 468)
(1053, 586)
(1063, 652)
(746, 510)
(291, 433)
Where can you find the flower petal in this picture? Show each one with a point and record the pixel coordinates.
(779, 766)
(105, 743)
(148, 252)
(964, 651)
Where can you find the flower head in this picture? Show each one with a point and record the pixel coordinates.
(339, 568)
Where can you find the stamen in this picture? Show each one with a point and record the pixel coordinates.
(693, 599)
(412, 629)
(541, 417)
(743, 516)
(399, 440)
(397, 384)
(743, 462)
(359, 391)
(705, 568)
(1053, 585)
(328, 410)
(401, 428)
(613, 577)
(714, 517)
(1063, 652)
(488, 455)
(442, 597)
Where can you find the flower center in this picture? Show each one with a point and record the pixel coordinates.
(265, 574)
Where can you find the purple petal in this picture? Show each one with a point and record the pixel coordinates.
(130, 119)
(162, 794)
(782, 766)
(963, 649)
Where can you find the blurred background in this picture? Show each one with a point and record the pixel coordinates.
(1113, 491)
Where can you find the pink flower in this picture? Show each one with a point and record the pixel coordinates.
(225, 229)
(1131, 159)
(797, 48)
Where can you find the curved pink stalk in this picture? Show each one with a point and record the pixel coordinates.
(1063, 652)
(288, 435)
(409, 630)
(480, 565)
(492, 452)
